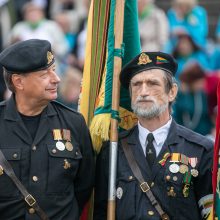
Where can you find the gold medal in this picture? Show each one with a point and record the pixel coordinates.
(66, 165)
(67, 137)
(69, 146)
(186, 190)
(171, 192)
(183, 168)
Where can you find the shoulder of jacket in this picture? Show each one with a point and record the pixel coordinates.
(64, 107)
(126, 133)
(194, 137)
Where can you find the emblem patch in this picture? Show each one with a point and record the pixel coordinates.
(144, 59)
(49, 57)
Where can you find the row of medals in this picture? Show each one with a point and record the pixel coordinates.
(183, 168)
(62, 134)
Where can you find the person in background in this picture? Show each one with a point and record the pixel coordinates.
(191, 107)
(70, 88)
(175, 178)
(47, 144)
(186, 50)
(189, 15)
(36, 26)
(150, 16)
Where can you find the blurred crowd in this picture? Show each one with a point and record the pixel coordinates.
(182, 31)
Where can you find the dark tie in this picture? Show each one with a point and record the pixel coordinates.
(150, 150)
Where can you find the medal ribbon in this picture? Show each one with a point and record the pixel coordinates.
(57, 134)
(66, 135)
(165, 157)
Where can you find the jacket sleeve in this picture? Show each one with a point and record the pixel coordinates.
(101, 184)
(203, 184)
(84, 181)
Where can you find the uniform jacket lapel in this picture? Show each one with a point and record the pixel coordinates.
(14, 120)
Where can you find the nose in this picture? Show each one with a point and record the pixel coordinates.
(55, 78)
(144, 90)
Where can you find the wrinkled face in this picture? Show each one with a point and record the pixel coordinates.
(41, 85)
(148, 96)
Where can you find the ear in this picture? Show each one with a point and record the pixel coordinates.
(17, 81)
(173, 92)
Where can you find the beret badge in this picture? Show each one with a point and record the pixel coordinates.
(144, 59)
(49, 57)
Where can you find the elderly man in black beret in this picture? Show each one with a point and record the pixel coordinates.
(46, 156)
(163, 169)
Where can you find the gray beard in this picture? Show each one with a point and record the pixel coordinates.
(149, 113)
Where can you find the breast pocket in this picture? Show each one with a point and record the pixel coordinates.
(62, 169)
(126, 198)
(7, 186)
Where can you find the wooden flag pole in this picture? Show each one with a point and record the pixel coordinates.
(118, 30)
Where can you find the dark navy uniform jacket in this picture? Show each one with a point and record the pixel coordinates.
(60, 192)
(132, 203)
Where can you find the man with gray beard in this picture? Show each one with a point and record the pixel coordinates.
(163, 169)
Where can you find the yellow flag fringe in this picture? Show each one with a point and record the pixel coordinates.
(99, 129)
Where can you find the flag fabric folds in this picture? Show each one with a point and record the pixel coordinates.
(95, 103)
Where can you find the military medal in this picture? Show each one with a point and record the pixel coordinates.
(183, 168)
(57, 137)
(171, 192)
(67, 137)
(164, 159)
(186, 190)
(174, 168)
(193, 162)
(186, 180)
(119, 192)
(66, 165)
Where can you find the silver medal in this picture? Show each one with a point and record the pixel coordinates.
(119, 192)
(174, 168)
(194, 172)
(60, 146)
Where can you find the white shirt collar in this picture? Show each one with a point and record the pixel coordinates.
(160, 134)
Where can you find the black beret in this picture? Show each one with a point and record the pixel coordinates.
(146, 61)
(27, 56)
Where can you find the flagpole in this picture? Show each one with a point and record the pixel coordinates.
(118, 30)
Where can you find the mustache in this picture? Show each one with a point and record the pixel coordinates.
(144, 98)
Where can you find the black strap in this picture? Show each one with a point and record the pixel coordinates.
(29, 199)
(143, 184)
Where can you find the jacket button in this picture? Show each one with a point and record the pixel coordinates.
(54, 151)
(34, 148)
(35, 178)
(150, 212)
(31, 210)
(15, 156)
(168, 177)
(152, 184)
